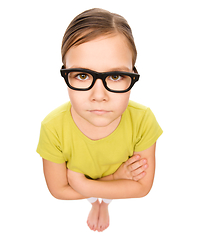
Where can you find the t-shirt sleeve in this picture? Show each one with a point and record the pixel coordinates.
(49, 146)
(148, 133)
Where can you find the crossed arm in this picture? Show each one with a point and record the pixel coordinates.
(68, 185)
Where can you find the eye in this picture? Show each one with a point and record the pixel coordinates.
(115, 77)
(82, 76)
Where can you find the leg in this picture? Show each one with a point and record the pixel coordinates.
(93, 217)
(103, 222)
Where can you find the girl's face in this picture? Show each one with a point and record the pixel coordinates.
(97, 106)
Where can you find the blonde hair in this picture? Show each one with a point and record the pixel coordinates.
(93, 23)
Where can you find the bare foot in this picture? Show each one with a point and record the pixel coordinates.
(93, 217)
(103, 222)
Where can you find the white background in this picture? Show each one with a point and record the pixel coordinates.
(166, 38)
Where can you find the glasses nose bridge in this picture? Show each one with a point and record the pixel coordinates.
(100, 76)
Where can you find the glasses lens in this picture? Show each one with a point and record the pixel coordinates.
(80, 80)
(118, 82)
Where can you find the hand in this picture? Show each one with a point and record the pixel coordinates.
(133, 169)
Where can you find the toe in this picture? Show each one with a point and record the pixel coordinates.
(99, 228)
(89, 225)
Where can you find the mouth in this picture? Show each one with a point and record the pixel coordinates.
(99, 112)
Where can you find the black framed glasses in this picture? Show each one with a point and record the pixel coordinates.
(81, 79)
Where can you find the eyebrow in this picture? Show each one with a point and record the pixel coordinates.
(120, 69)
(123, 69)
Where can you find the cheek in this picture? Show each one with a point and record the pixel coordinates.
(73, 97)
(121, 101)
(77, 98)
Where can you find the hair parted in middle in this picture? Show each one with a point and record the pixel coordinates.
(94, 23)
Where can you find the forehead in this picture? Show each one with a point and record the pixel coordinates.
(101, 54)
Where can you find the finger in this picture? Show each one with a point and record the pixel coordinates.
(139, 177)
(132, 159)
(139, 170)
(137, 164)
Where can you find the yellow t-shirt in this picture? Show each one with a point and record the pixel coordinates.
(61, 141)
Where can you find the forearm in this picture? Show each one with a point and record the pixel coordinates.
(116, 189)
(107, 178)
(67, 193)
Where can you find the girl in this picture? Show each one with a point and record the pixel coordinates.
(99, 144)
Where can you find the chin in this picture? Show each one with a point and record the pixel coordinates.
(101, 123)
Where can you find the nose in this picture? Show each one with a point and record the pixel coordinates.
(99, 92)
